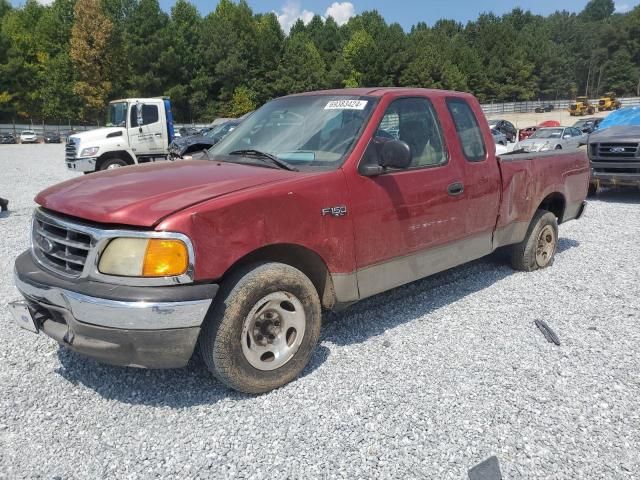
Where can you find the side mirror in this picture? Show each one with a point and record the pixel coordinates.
(383, 155)
(395, 154)
(139, 118)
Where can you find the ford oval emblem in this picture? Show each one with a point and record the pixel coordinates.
(617, 150)
(47, 245)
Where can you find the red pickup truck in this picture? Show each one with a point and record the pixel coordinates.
(314, 202)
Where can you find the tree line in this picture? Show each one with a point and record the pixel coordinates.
(68, 59)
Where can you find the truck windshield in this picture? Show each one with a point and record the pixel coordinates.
(308, 131)
(117, 115)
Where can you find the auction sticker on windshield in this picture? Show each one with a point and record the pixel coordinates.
(346, 105)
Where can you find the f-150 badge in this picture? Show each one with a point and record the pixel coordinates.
(338, 211)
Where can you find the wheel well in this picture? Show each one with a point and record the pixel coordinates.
(554, 203)
(305, 260)
(109, 155)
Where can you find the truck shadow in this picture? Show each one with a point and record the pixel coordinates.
(618, 195)
(194, 385)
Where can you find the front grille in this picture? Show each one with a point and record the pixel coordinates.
(616, 151)
(60, 247)
(71, 149)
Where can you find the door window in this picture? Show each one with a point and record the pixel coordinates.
(414, 121)
(149, 115)
(468, 130)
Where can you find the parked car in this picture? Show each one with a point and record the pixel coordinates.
(28, 136)
(188, 131)
(7, 138)
(303, 208)
(526, 132)
(51, 137)
(182, 146)
(555, 138)
(544, 108)
(505, 127)
(499, 137)
(588, 125)
(614, 150)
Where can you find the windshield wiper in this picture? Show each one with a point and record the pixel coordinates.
(263, 155)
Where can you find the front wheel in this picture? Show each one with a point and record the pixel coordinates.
(539, 246)
(112, 163)
(263, 328)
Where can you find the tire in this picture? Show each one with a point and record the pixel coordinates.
(112, 163)
(558, 147)
(536, 252)
(260, 310)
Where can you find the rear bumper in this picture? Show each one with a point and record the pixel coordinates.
(82, 164)
(151, 327)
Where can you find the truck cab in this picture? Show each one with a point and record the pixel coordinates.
(137, 130)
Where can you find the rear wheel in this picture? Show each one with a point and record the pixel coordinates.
(263, 328)
(558, 147)
(539, 246)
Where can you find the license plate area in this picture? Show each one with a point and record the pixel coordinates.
(22, 316)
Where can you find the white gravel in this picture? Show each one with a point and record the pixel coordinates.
(422, 382)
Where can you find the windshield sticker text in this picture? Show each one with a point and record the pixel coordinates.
(346, 105)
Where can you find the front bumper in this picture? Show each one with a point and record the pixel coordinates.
(150, 327)
(82, 164)
(612, 179)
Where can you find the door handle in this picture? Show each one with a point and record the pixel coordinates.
(455, 189)
(158, 134)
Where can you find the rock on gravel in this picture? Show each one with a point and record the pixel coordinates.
(425, 381)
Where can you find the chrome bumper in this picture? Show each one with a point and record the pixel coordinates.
(134, 327)
(118, 314)
(82, 164)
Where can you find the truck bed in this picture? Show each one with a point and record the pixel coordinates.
(566, 180)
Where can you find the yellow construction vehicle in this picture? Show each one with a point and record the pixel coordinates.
(608, 102)
(581, 107)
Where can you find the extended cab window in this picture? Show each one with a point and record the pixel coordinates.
(149, 115)
(468, 130)
(414, 121)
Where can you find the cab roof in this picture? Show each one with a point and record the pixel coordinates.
(382, 91)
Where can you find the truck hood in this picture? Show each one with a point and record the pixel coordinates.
(145, 194)
(620, 133)
(97, 135)
(535, 144)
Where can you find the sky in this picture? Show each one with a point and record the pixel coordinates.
(404, 12)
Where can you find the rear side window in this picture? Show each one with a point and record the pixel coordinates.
(468, 130)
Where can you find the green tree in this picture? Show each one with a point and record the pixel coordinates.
(302, 68)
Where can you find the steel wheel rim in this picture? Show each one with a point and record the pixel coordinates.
(545, 246)
(273, 331)
(114, 165)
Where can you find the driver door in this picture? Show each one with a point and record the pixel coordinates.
(146, 129)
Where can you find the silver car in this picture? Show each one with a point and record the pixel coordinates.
(552, 138)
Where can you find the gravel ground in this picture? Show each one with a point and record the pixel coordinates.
(422, 382)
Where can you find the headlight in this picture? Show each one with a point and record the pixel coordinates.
(144, 257)
(89, 151)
